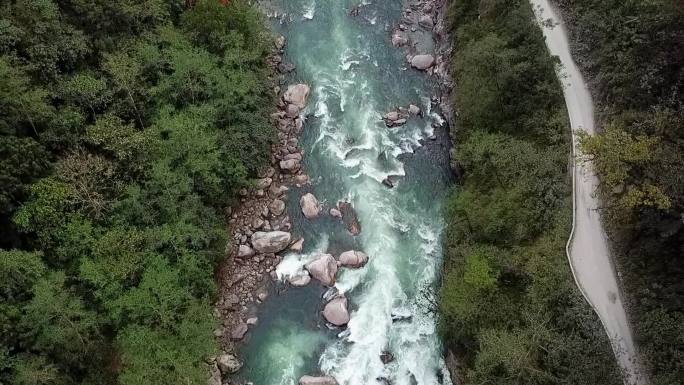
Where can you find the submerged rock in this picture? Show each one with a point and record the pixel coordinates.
(323, 269)
(422, 62)
(310, 206)
(321, 380)
(336, 311)
(353, 259)
(271, 242)
(386, 357)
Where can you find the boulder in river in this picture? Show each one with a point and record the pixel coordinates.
(310, 206)
(297, 94)
(414, 110)
(386, 357)
(422, 62)
(336, 311)
(324, 269)
(228, 363)
(270, 242)
(297, 246)
(349, 217)
(320, 380)
(353, 259)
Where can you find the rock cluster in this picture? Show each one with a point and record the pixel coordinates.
(260, 225)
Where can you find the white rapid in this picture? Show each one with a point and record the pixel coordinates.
(588, 249)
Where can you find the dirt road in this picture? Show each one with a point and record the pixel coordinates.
(588, 250)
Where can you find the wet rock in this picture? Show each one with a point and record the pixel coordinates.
(399, 40)
(298, 246)
(401, 315)
(228, 363)
(321, 380)
(336, 311)
(270, 242)
(302, 179)
(422, 62)
(277, 207)
(414, 110)
(323, 269)
(297, 94)
(353, 259)
(275, 191)
(310, 206)
(391, 116)
(349, 217)
(386, 357)
(291, 165)
(388, 182)
(252, 321)
(300, 280)
(245, 251)
(239, 331)
(335, 213)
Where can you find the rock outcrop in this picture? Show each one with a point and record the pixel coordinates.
(297, 95)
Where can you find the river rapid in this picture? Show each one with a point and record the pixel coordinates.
(356, 76)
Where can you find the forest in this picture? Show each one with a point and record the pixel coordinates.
(126, 128)
(632, 53)
(511, 313)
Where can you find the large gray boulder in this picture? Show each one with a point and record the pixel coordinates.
(228, 363)
(422, 62)
(271, 242)
(290, 165)
(310, 206)
(320, 380)
(324, 269)
(297, 94)
(336, 311)
(353, 259)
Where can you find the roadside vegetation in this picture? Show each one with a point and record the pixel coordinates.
(125, 129)
(511, 312)
(632, 52)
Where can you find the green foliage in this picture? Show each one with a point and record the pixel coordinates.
(509, 305)
(632, 52)
(126, 127)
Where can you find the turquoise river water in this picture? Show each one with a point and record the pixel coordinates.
(356, 76)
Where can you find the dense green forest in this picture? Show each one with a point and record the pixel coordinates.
(632, 52)
(126, 127)
(510, 309)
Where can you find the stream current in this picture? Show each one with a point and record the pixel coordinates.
(356, 76)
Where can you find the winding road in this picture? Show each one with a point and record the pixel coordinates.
(587, 248)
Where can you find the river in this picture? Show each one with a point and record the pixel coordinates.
(356, 76)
